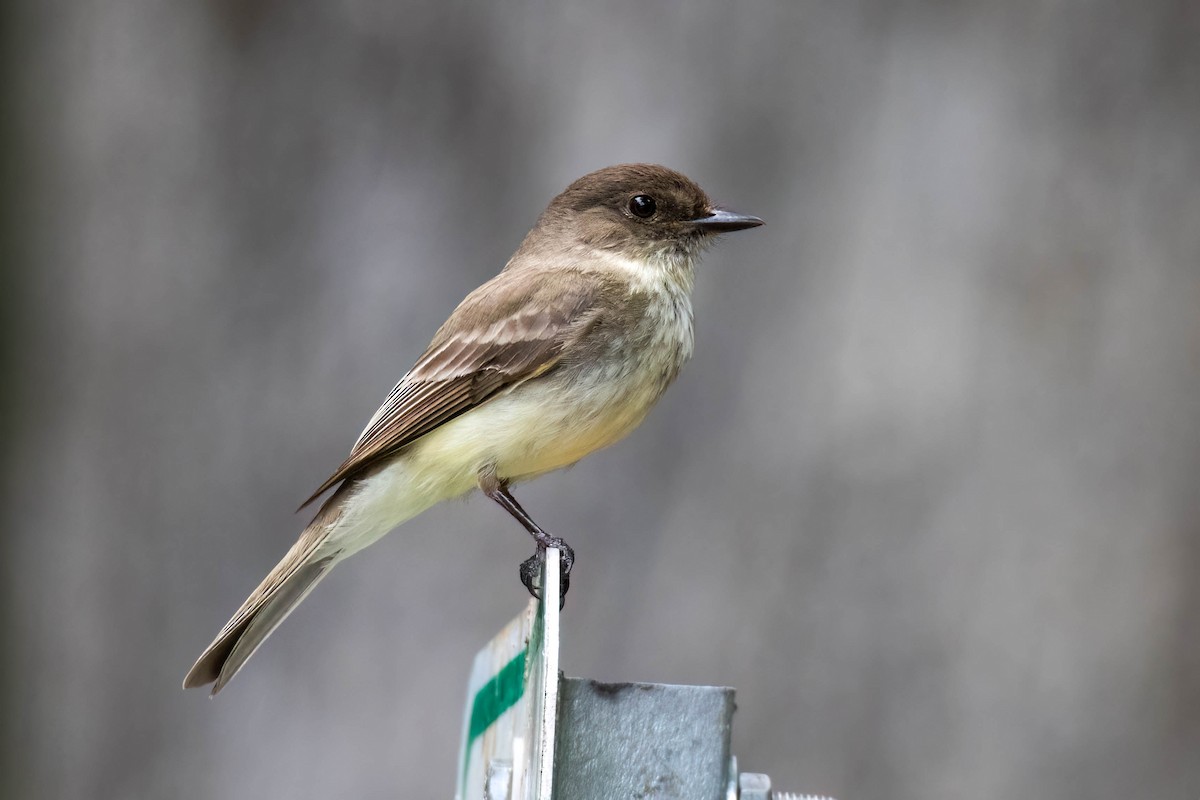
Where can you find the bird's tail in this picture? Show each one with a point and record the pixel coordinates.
(280, 592)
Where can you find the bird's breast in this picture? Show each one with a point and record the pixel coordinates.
(592, 399)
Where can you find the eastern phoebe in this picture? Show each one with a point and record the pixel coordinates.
(559, 355)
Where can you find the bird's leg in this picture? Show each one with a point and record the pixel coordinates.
(498, 490)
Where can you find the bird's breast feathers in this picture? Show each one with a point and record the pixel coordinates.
(582, 405)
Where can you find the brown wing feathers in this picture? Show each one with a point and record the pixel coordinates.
(482, 349)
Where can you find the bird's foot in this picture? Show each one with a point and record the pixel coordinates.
(531, 568)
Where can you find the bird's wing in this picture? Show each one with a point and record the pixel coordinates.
(513, 328)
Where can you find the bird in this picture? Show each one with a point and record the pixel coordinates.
(562, 353)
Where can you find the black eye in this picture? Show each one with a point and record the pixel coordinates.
(642, 205)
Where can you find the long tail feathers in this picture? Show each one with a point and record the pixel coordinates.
(279, 593)
(233, 647)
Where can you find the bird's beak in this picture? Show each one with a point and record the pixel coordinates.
(720, 220)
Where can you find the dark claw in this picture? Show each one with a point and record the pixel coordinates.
(566, 560)
(531, 570)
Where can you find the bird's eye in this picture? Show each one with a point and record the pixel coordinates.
(643, 206)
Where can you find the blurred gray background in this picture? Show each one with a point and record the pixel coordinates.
(927, 495)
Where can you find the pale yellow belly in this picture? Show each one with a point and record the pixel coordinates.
(539, 427)
(531, 431)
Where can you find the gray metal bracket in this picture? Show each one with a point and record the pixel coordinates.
(531, 734)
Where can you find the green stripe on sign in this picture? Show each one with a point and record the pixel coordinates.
(494, 698)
